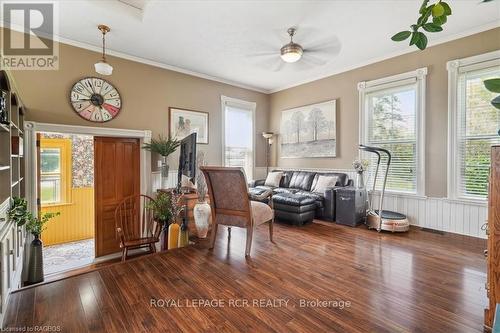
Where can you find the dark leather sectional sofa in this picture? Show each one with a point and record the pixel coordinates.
(293, 200)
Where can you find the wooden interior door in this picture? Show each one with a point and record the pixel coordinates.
(117, 175)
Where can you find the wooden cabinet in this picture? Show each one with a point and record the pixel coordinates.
(493, 230)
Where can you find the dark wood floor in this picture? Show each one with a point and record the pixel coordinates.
(416, 282)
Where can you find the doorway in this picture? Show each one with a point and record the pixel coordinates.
(86, 248)
(66, 169)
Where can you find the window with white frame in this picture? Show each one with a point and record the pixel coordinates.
(474, 125)
(392, 117)
(239, 124)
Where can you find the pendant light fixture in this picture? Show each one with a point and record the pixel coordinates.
(291, 52)
(102, 67)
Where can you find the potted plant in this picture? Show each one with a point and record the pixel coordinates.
(164, 147)
(19, 214)
(36, 226)
(201, 210)
(18, 211)
(166, 208)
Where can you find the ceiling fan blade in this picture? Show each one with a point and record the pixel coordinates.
(274, 64)
(302, 65)
(262, 54)
(308, 58)
(330, 46)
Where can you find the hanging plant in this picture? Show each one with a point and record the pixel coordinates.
(439, 13)
(493, 85)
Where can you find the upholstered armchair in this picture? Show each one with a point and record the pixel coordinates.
(230, 203)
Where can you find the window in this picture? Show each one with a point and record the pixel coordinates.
(50, 171)
(392, 113)
(474, 125)
(238, 147)
(55, 177)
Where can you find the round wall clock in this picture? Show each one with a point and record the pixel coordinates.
(95, 99)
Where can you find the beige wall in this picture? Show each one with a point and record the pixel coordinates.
(343, 88)
(146, 93)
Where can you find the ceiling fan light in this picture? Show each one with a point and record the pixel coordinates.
(291, 52)
(103, 68)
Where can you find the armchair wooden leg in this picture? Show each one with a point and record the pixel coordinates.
(213, 236)
(124, 254)
(249, 240)
(229, 233)
(271, 230)
(152, 247)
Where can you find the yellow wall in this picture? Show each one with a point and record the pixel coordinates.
(76, 221)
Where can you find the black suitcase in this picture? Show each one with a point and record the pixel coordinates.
(351, 205)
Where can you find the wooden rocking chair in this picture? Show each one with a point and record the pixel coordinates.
(135, 224)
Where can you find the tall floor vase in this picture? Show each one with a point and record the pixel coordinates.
(202, 214)
(35, 267)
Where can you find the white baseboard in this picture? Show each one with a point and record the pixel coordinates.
(460, 217)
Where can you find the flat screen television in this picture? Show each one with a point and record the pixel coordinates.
(187, 162)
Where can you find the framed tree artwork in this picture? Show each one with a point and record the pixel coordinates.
(309, 131)
(184, 122)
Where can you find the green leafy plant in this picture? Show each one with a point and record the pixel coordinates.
(439, 13)
(37, 225)
(493, 85)
(162, 146)
(18, 212)
(166, 207)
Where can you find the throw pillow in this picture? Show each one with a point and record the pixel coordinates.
(323, 183)
(273, 179)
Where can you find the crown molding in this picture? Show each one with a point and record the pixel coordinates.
(145, 61)
(90, 47)
(475, 30)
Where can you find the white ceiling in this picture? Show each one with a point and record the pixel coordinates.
(220, 39)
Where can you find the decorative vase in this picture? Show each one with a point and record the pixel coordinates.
(35, 268)
(360, 181)
(164, 172)
(164, 237)
(201, 212)
(183, 234)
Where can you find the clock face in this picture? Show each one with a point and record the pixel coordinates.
(95, 99)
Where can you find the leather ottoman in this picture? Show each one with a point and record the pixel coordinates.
(295, 208)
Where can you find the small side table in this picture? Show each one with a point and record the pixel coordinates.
(350, 206)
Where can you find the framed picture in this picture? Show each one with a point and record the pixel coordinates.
(184, 122)
(309, 131)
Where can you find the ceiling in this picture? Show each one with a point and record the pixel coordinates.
(221, 39)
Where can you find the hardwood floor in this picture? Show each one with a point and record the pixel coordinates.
(416, 282)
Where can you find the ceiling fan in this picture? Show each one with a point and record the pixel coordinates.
(303, 56)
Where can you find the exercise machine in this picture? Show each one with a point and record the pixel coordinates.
(378, 218)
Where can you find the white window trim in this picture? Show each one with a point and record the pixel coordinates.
(454, 68)
(251, 106)
(418, 77)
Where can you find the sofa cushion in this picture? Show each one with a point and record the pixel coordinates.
(285, 180)
(323, 182)
(342, 178)
(274, 179)
(319, 199)
(292, 199)
(302, 180)
(285, 190)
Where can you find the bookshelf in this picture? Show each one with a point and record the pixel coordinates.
(12, 184)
